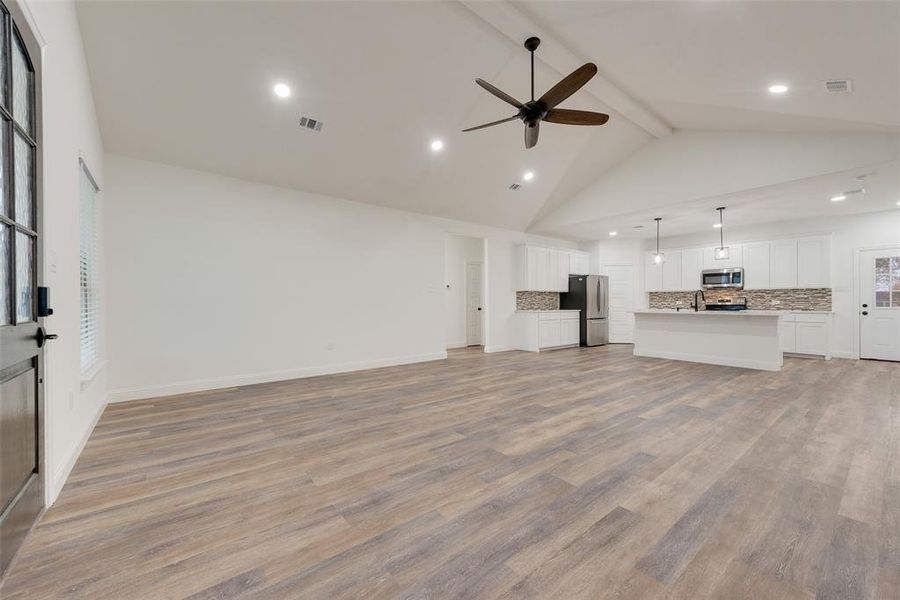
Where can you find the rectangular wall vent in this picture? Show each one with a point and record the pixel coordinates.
(514, 186)
(310, 123)
(839, 85)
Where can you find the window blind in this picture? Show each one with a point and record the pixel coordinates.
(89, 272)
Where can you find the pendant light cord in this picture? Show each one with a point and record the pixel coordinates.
(657, 219)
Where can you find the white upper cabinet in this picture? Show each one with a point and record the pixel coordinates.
(546, 269)
(735, 258)
(783, 264)
(757, 266)
(691, 265)
(579, 263)
(653, 274)
(814, 262)
(671, 272)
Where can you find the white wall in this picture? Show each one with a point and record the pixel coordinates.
(458, 250)
(70, 131)
(849, 234)
(214, 281)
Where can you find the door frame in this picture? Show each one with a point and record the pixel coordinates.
(466, 301)
(31, 502)
(856, 330)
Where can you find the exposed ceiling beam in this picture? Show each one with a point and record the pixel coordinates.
(511, 22)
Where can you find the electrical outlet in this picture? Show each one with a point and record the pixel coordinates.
(329, 345)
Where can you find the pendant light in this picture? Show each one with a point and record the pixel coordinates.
(722, 251)
(659, 257)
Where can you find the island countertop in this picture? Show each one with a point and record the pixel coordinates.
(705, 313)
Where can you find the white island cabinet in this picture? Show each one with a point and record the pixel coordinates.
(747, 338)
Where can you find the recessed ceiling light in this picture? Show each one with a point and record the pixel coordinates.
(717, 225)
(615, 233)
(838, 198)
(282, 90)
(898, 202)
(528, 176)
(436, 145)
(778, 88)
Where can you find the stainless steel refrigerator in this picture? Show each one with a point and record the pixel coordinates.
(590, 295)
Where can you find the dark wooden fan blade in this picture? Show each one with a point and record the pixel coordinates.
(492, 123)
(531, 134)
(570, 84)
(499, 93)
(575, 117)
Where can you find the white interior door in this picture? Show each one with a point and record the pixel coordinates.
(474, 304)
(879, 298)
(621, 304)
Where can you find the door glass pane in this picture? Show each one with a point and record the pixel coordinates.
(4, 131)
(3, 59)
(24, 277)
(24, 164)
(22, 83)
(5, 279)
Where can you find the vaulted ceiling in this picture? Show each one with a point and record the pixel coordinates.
(190, 84)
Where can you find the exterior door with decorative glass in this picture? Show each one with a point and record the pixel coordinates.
(21, 337)
(879, 298)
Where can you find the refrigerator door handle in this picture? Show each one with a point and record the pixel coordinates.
(600, 298)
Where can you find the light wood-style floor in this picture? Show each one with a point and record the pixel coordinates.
(580, 473)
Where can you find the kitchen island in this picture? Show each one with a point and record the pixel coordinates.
(746, 338)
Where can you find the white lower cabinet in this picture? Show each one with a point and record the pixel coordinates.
(539, 330)
(806, 334)
(569, 331)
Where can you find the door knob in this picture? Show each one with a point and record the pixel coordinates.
(479, 308)
(865, 312)
(41, 337)
(865, 306)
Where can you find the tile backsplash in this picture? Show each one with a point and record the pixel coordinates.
(806, 299)
(537, 300)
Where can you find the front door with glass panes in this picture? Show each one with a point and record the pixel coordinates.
(21, 364)
(879, 299)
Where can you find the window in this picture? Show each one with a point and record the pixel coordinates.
(89, 272)
(887, 282)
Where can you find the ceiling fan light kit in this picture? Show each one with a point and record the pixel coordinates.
(531, 113)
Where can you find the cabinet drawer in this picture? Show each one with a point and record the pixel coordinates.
(550, 316)
(820, 319)
(569, 316)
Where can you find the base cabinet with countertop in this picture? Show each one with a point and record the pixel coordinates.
(545, 329)
(806, 333)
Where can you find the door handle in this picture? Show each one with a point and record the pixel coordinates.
(479, 308)
(865, 312)
(41, 337)
(865, 306)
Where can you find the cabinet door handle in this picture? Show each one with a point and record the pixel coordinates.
(865, 312)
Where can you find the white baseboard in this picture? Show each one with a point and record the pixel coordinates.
(844, 355)
(200, 385)
(456, 345)
(62, 474)
(489, 349)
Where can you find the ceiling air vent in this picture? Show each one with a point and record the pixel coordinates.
(839, 85)
(310, 123)
(514, 186)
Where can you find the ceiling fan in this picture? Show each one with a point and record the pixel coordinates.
(544, 108)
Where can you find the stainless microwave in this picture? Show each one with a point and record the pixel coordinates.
(722, 278)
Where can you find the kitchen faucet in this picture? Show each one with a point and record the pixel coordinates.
(696, 305)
